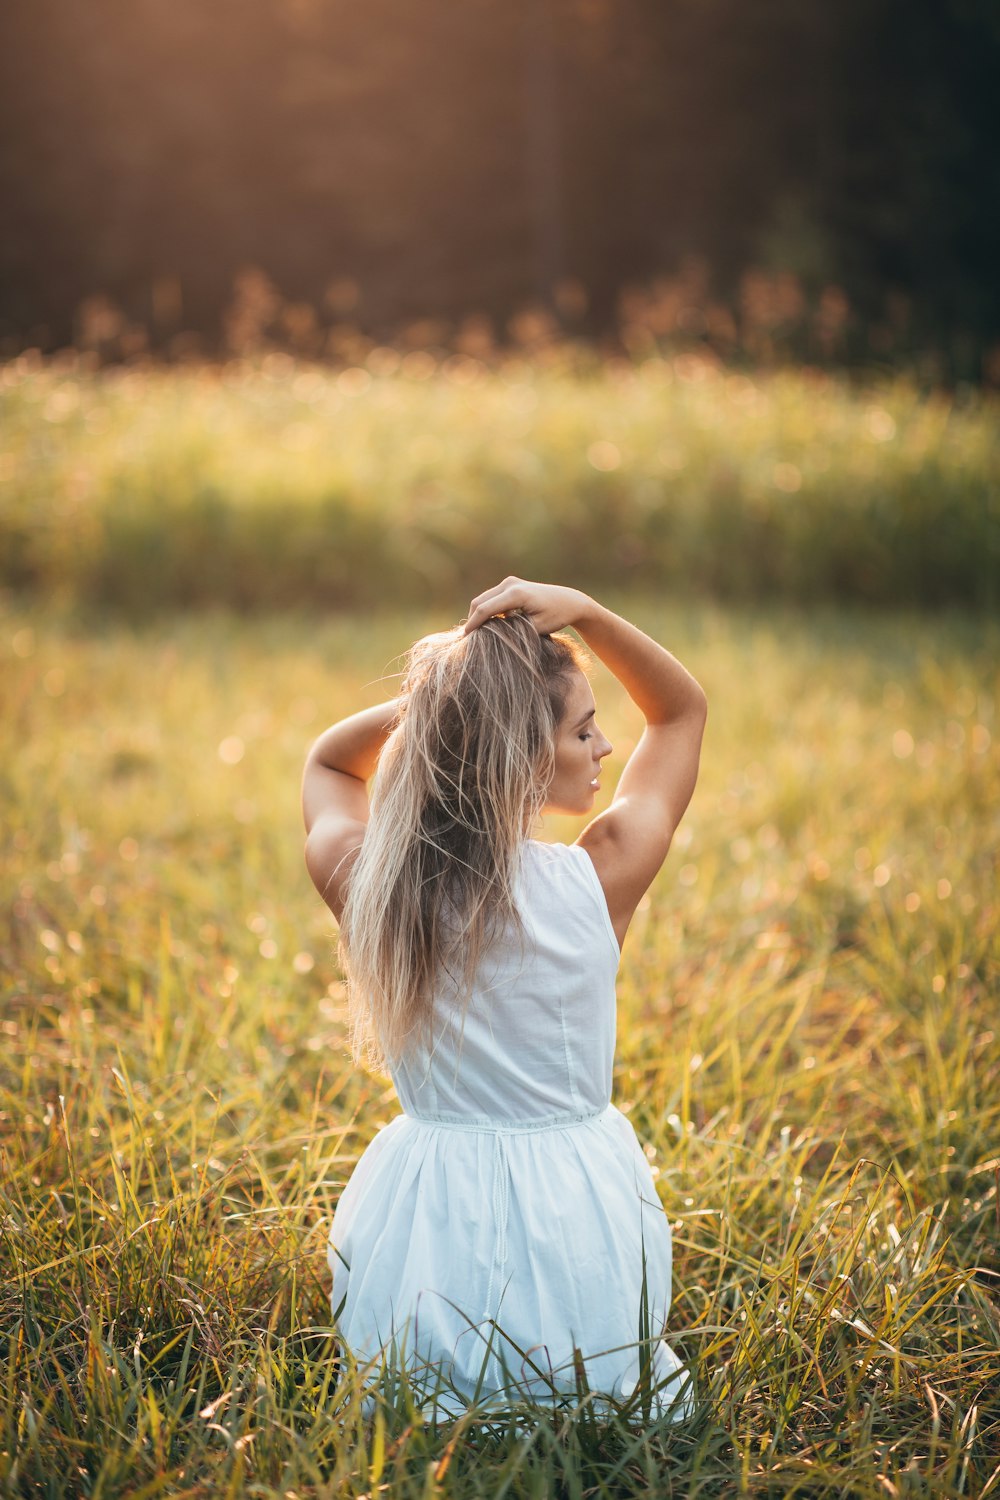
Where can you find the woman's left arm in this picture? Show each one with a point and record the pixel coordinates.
(335, 794)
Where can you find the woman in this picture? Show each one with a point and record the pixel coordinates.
(503, 1234)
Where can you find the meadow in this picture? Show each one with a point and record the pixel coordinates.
(807, 1047)
(274, 481)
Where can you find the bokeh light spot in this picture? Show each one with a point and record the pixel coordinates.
(787, 478)
(880, 425)
(604, 456)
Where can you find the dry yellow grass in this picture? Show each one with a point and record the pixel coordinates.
(807, 1047)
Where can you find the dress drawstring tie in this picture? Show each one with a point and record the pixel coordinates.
(501, 1209)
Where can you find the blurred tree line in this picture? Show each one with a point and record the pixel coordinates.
(415, 159)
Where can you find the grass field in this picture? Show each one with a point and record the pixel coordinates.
(808, 1049)
(274, 482)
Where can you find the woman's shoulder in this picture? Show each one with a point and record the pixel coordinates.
(568, 868)
(549, 852)
(555, 863)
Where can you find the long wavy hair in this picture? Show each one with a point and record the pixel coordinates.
(462, 776)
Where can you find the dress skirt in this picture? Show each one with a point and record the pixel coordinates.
(500, 1259)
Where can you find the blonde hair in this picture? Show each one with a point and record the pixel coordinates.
(460, 780)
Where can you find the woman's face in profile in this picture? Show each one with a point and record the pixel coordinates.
(580, 747)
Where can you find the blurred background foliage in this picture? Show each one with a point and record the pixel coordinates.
(272, 481)
(789, 176)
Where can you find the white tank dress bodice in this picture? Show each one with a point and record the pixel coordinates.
(499, 1230)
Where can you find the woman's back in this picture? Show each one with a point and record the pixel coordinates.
(538, 1037)
(505, 1227)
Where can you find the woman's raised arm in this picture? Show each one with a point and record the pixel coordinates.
(335, 795)
(628, 842)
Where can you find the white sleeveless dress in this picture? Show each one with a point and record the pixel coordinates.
(510, 1188)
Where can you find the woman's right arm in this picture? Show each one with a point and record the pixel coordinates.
(662, 688)
(628, 842)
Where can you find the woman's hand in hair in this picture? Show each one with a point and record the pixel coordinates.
(548, 606)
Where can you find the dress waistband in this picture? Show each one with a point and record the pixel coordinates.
(484, 1125)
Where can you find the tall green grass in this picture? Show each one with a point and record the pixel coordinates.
(807, 1048)
(274, 482)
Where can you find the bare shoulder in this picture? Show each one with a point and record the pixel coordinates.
(630, 840)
